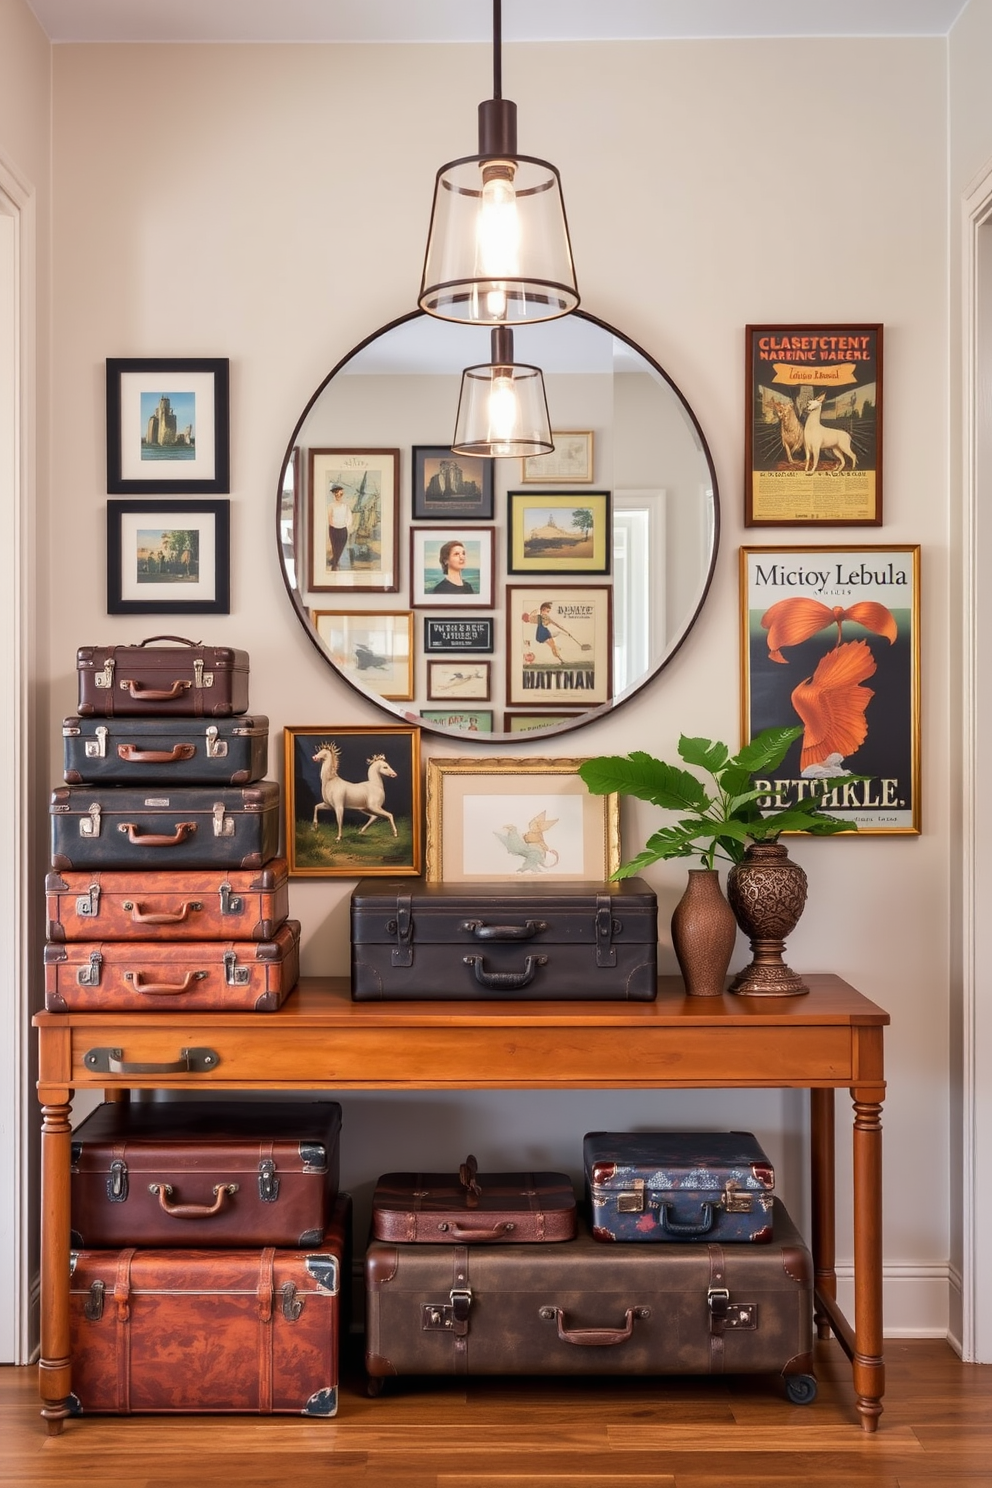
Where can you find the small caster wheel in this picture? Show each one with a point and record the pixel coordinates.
(801, 1389)
(374, 1386)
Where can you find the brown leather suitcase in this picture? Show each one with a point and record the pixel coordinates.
(532, 941)
(187, 1331)
(180, 679)
(473, 1208)
(205, 1173)
(217, 904)
(180, 751)
(587, 1308)
(185, 976)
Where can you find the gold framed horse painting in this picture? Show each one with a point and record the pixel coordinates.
(352, 801)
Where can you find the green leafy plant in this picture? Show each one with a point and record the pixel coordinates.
(718, 819)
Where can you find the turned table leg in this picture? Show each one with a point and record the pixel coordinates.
(822, 1203)
(869, 1368)
(54, 1369)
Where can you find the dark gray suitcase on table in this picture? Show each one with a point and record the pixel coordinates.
(678, 1186)
(180, 751)
(183, 679)
(412, 940)
(189, 826)
(583, 1308)
(205, 1173)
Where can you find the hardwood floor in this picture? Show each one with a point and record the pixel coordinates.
(936, 1432)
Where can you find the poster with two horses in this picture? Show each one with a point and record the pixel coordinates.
(813, 443)
(352, 800)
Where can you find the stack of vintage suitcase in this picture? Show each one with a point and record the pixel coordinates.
(166, 890)
(460, 1279)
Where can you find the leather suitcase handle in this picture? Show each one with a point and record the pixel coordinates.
(481, 931)
(505, 981)
(481, 1237)
(672, 1228)
(156, 839)
(164, 917)
(132, 755)
(179, 640)
(163, 989)
(595, 1337)
(192, 1211)
(154, 694)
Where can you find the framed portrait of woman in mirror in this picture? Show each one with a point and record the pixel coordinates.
(451, 566)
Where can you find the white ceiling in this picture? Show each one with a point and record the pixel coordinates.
(471, 20)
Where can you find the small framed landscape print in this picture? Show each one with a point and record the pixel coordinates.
(449, 487)
(352, 800)
(465, 634)
(353, 514)
(830, 640)
(168, 557)
(559, 645)
(558, 534)
(813, 426)
(448, 680)
(465, 720)
(501, 819)
(570, 462)
(451, 566)
(372, 648)
(168, 426)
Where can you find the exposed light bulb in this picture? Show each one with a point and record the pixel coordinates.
(503, 411)
(498, 234)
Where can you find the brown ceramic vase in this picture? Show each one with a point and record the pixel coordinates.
(703, 934)
(767, 894)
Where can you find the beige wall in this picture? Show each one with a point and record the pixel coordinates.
(270, 204)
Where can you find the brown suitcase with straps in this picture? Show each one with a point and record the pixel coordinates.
(181, 679)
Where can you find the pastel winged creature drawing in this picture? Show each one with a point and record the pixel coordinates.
(832, 703)
(531, 846)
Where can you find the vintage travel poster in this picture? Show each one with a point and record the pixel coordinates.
(814, 425)
(830, 641)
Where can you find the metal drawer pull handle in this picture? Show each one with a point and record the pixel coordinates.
(154, 694)
(163, 989)
(595, 1337)
(156, 839)
(190, 1062)
(132, 755)
(505, 981)
(702, 1228)
(482, 931)
(140, 916)
(192, 1211)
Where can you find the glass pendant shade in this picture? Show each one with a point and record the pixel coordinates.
(502, 409)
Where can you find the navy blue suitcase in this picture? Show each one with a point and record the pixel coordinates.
(180, 751)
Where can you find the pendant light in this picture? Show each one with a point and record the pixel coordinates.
(498, 251)
(502, 409)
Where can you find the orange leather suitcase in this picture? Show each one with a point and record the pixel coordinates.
(206, 904)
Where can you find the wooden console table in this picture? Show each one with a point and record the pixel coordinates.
(321, 1040)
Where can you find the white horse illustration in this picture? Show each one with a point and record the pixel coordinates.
(340, 795)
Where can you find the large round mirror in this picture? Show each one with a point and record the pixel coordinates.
(497, 597)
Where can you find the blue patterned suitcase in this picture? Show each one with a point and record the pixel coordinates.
(678, 1186)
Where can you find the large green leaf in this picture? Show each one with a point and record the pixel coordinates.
(705, 753)
(767, 749)
(641, 775)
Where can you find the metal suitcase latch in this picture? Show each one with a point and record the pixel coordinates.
(200, 677)
(402, 928)
(292, 1305)
(606, 928)
(106, 677)
(631, 1201)
(223, 824)
(96, 748)
(235, 975)
(216, 747)
(268, 1183)
(88, 905)
(736, 1200)
(89, 822)
(230, 904)
(725, 1314)
(89, 974)
(117, 1182)
(93, 1306)
(452, 1317)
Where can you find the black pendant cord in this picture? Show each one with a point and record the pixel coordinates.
(497, 49)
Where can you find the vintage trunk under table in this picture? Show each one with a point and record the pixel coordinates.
(321, 1040)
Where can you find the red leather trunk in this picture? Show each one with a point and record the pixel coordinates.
(209, 1330)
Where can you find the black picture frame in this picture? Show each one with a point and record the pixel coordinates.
(456, 635)
(199, 575)
(428, 504)
(184, 461)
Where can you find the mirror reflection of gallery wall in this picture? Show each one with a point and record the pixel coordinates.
(497, 596)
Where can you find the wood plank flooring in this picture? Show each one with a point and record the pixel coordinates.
(936, 1432)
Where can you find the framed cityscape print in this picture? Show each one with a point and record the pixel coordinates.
(558, 534)
(813, 426)
(449, 487)
(168, 557)
(352, 801)
(451, 566)
(372, 648)
(353, 513)
(168, 426)
(559, 646)
(830, 641)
